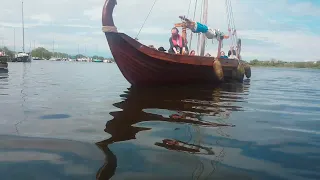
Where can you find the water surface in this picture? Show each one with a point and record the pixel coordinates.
(66, 120)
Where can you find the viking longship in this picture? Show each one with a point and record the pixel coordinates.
(143, 65)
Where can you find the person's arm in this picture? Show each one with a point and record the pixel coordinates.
(175, 50)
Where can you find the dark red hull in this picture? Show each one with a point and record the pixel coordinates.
(154, 67)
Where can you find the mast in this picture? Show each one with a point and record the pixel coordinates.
(14, 40)
(22, 28)
(53, 56)
(53, 47)
(204, 21)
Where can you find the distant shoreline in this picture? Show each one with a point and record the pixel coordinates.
(282, 64)
(284, 67)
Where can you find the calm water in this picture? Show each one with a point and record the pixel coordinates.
(66, 120)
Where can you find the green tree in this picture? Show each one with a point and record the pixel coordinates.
(80, 56)
(41, 53)
(60, 55)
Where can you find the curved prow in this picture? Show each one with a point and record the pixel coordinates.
(107, 18)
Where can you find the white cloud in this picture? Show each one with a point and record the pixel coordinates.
(41, 17)
(94, 13)
(305, 8)
(151, 30)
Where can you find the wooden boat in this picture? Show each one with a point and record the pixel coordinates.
(22, 57)
(97, 60)
(145, 66)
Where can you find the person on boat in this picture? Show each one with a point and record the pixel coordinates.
(192, 53)
(223, 55)
(177, 44)
(161, 49)
(208, 55)
(232, 51)
(197, 27)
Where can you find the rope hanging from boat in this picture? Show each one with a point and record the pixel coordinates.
(146, 18)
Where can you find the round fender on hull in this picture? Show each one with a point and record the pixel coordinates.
(247, 71)
(217, 69)
(240, 72)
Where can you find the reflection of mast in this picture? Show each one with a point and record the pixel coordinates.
(23, 96)
(109, 168)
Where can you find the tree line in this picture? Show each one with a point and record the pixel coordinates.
(41, 52)
(279, 63)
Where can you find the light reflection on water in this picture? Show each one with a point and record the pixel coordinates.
(64, 120)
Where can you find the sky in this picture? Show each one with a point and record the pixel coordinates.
(288, 30)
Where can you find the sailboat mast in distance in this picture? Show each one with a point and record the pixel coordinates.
(22, 29)
(204, 21)
(14, 40)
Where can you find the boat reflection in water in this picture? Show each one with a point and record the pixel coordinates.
(197, 108)
(4, 73)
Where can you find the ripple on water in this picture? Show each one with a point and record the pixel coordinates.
(55, 116)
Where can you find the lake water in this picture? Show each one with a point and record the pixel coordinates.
(67, 120)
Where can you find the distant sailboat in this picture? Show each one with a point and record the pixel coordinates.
(23, 56)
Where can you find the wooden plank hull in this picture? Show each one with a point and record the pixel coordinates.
(143, 66)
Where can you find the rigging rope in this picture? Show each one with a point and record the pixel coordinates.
(231, 24)
(189, 8)
(232, 18)
(199, 34)
(146, 18)
(194, 17)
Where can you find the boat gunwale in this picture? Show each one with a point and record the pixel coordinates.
(168, 57)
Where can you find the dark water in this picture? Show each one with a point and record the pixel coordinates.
(65, 120)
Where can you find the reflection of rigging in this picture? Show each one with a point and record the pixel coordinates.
(189, 103)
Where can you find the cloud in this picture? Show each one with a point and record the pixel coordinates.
(151, 30)
(94, 13)
(41, 17)
(269, 29)
(305, 8)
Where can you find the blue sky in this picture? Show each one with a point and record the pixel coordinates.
(283, 29)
